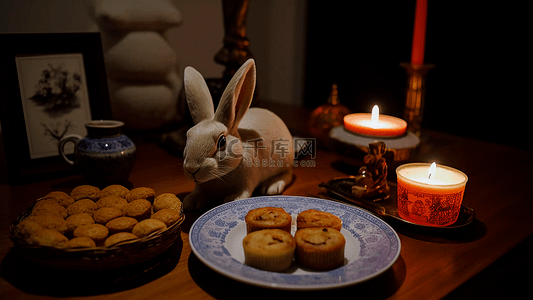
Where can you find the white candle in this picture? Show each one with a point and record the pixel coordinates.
(430, 197)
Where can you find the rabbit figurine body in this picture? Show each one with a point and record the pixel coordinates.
(234, 151)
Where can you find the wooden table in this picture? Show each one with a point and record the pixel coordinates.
(431, 264)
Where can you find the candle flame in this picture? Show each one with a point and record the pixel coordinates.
(432, 170)
(375, 115)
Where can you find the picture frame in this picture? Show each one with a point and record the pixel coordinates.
(50, 85)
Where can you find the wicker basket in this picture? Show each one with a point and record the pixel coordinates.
(97, 258)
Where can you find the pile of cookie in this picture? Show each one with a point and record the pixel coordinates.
(93, 217)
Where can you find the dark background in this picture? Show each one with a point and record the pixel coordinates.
(480, 52)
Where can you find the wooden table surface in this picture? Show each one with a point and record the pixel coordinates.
(432, 264)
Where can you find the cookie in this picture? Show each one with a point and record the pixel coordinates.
(119, 237)
(141, 193)
(82, 206)
(167, 200)
(43, 207)
(61, 198)
(168, 216)
(51, 222)
(85, 192)
(76, 220)
(47, 237)
(80, 242)
(106, 214)
(114, 190)
(121, 224)
(97, 232)
(147, 227)
(26, 228)
(112, 201)
(139, 209)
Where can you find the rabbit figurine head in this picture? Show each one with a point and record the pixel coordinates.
(234, 151)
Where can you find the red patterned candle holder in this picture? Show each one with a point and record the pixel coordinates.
(430, 195)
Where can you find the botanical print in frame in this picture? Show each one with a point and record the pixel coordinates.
(54, 99)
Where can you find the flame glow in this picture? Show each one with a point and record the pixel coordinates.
(375, 115)
(432, 171)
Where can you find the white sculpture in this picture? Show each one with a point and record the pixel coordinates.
(234, 151)
(144, 85)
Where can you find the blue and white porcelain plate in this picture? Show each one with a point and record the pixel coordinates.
(372, 246)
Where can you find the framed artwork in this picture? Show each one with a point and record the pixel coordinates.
(50, 85)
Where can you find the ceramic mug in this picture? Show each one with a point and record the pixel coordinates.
(105, 156)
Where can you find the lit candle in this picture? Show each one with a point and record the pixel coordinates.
(375, 124)
(430, 194)
(419, 32)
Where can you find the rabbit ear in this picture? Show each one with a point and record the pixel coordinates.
(198, 96)
(237, 96)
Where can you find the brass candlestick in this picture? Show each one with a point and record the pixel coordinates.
(416, 90)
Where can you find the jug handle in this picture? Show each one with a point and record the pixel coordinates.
(61, 147)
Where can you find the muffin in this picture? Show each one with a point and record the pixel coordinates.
(85, 192)
(80, 242)
(316, 218)
(82, 206)
(168, 216)
(167, 200)
(97, 232)
(147, 227)
(121, 224)
(61, 198)
(139, 209)
(119, 237)
(141, 193)
(114, 190)
(26, 228)
(319, 248)
(77, 220)
(43, 207)
(47, 237)
(51, 222)
(269, 249)
(111, 201)
(268, 218)
(106, 214)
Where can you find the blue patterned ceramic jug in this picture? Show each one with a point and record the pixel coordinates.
(105, 156)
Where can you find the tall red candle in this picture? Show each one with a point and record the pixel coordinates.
(419, 32)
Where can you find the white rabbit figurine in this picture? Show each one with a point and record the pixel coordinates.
(234, 151)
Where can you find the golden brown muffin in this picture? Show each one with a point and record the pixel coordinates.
(121, 224)
(61, 198)
(139, 209)
(97, 232)
(47, 237)
(26, 228)
(114, 190)
(111, 201)
(167, 200)
(119, 237)
(85, 192)
(147, 227)
(43, 207)
(268, 218)
(82, 206)
(141, 193)
(269, 249)
(319, 248)
(316, 218)
(106, 214)
(51, 222)
(80, 242)
(76, 220)
(168, 216)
